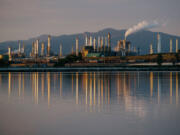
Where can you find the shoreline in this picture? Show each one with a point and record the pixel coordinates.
(80, 69)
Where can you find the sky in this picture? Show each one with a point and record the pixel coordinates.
(24, 19)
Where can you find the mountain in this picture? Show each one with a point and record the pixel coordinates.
(140, 40)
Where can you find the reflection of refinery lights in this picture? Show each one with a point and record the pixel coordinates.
(77, 94)
(151, 84)
(42, 84)
(102, 88)
(86, 87)
(72, 83)
(49, 88)
(170, 87)
(23, 84)
(159, 88)
(36, 95)
(9, 84)
(60, 83)
(90, 94)
(98, 91)
(124, 90)
(19, 84)
(94, 88)
(37, 87)
(118, 87)
(177, 88)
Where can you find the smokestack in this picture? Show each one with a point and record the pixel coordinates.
(151, 49)
(86, 40)
(23, 48)
(99, 42)
(60, 51)
(42, 49)
(177, 47)
(90, 40)
(32, 53)
(129, 47)
(102, 43)
(19, 47)
(119, 45)
(124, 44)
(94, 43)
(106, 41)
(9, 53)
(159, 43)
(77, 46)
(37, 47)
(170, 48)
(49, 46)
(109, 42)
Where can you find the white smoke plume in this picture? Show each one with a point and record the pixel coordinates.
(144, 25)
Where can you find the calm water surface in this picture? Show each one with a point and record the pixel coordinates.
(90, 103)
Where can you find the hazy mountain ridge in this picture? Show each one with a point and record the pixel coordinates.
(141, 39)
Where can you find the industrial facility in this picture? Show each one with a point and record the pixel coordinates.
(95, 49)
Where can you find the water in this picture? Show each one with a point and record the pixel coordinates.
(98, 103)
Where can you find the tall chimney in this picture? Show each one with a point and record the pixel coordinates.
(119, 45)
(32, 53)
(49, 46)
(129, 47)
(170, 48)
(9, 53)
(124, 44)
(19, 47)
(86, 40)
(37, 47)
(102, 43)
(109, 42)
(106, 42)
(177, 47)
(42, 49)
(159, 43)
(151, 49)
(90, 40)
(60, 51)
(77, 46)
(94, 43)
(99, 43)
(23, 48)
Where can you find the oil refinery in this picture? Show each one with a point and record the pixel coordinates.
(95, 51)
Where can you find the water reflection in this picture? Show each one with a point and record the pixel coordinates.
(95, 90)
(70, 103)
(9, 84)
(151, 84)
(159, 88)
(49, 88)
(177, 96)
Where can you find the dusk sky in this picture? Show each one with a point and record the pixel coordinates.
(24, 19)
